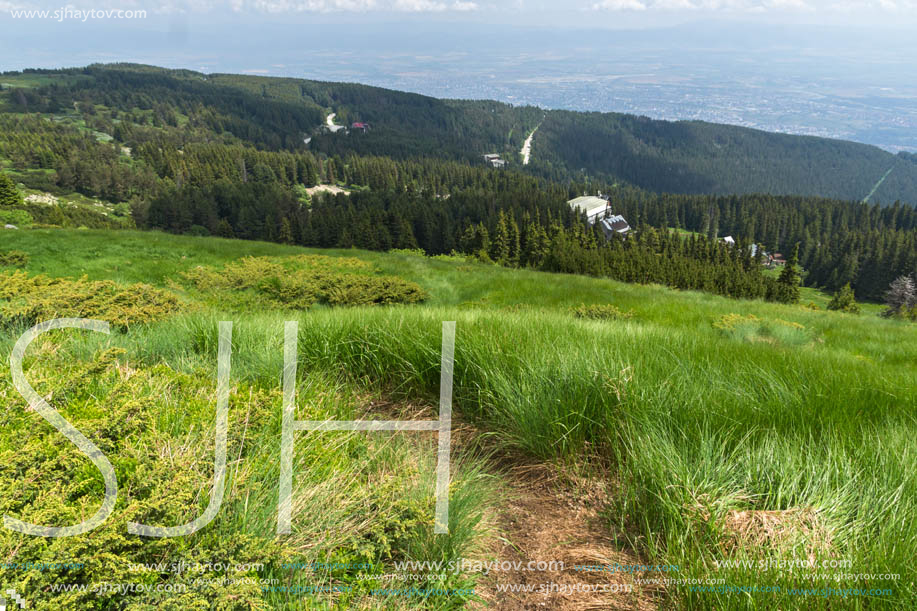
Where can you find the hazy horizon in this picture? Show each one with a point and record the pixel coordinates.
(756, 66)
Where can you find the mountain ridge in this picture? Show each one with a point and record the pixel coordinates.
(688, 156)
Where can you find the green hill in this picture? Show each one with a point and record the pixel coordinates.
(663, 156)
(125, 146)
(698, 157)
(727, 430)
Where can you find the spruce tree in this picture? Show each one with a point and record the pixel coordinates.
(844, 301)
(514, 250)
(499, 247)
(224, 229)
(529, 244)
(9, 194)
(286, 232)
(759, 256)
(468, 241)
(484, 241)
(540, 246)
(789, 279)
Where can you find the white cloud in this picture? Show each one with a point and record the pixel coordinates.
(675, 5)
(619, 5)
(316, 6)
(266, 6)
(430, 6)
(752, 6)
(337, 6)
(418, 6)
(353, 6)
(789, 5)
(888, 6)
(530, 8)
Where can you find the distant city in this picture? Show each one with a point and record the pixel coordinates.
(755, 80)
(885, 121)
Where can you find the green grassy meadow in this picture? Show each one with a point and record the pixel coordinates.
(731, 431)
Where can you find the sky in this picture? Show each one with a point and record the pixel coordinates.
(597, 13)
(838, 68)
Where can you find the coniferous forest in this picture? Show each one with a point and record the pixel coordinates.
(239, 157)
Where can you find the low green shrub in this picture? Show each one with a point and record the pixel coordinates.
(366, 500)
(601, 312)
(13, 258)
(909, 314)
(362, 290)
(19, 218)
(844, 301)
(454, 256)
(73, 216)
(412, 252)
(198, 231)
(27, 300)
(301, 282)
(45, 480)
(754, 329)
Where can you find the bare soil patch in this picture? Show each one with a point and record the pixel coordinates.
(547, 515)
(553, 517)
(332, 189)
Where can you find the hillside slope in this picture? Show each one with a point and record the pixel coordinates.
(733, 429)
(698, 157)
(682, 157)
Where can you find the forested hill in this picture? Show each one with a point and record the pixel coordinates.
(698, 157)
(250, 158)
(281, 113)
(278, 113)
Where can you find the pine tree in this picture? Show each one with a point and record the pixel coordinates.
(844, 301)
(514, 249)
(476, 241)
(286, 232)
(528, 242)
(345, 240)
(484, 240)
(540, 246)
(9, 194)
(789, 279)
(224, 229)
(468, 241)
(405, 235)
(499, 247)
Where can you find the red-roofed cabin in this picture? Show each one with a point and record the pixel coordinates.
(363, 126)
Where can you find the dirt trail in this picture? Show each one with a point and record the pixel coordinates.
(548, 518)
(545, 516)
(878, 184)
(526, 151)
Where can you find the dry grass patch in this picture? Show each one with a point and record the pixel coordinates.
(776, 529)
